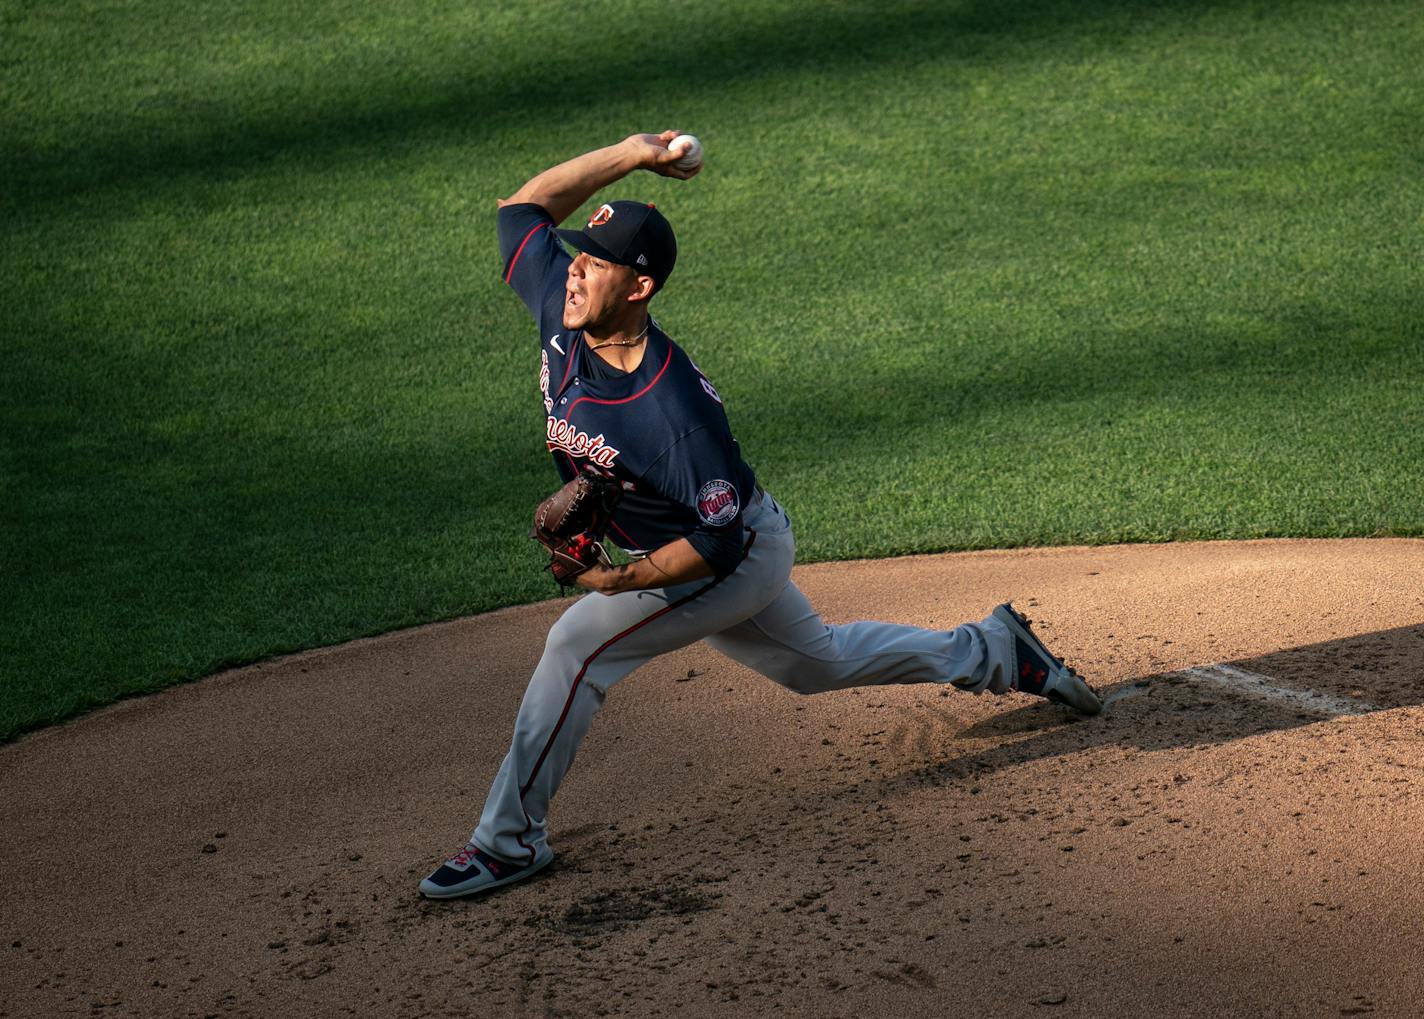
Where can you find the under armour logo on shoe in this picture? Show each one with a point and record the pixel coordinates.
(1031, 677)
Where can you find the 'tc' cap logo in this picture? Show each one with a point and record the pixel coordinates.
(603, 215)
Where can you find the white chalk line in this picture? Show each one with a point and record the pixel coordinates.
(1255, 685)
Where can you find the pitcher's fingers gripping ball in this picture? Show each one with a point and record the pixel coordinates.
(672, 154)
(690, 150)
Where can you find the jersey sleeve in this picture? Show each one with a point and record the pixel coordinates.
(535, 263)
(704, 472)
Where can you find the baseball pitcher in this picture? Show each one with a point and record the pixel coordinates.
(641, 441)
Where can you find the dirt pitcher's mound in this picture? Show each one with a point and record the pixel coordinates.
(1238, 834)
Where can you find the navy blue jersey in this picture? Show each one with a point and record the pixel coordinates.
(659, 429)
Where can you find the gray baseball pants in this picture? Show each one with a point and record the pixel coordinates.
(754, 615)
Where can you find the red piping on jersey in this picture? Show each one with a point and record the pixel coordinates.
(578, 679)
(519, 252)
(568, 366)
(626, 399)
(614, 524)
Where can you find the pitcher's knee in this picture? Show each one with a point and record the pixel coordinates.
(567, 642)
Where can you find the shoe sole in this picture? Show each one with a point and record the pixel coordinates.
(1081, 697)
(458, 892)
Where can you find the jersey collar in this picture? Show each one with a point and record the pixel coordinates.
(655, 357)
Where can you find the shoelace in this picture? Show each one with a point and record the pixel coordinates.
(464, 857)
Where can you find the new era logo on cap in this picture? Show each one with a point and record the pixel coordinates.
(629, 233)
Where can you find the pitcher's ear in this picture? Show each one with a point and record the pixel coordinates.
(645, 285)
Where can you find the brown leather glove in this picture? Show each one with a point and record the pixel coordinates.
(572, 523)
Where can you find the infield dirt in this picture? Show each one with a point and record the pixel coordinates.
(250, 844)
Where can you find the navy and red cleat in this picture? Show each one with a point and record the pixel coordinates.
(473, 870)
(1036, 671)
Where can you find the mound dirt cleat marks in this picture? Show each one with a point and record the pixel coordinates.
(1037, 671)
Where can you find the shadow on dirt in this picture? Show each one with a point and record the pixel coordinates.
(1376, 671)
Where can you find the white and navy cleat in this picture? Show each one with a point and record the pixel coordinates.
(1036, 671)
(472, 870)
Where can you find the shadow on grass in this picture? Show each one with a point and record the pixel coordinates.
(714, 49)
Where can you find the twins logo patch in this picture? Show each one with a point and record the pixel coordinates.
(717, 503)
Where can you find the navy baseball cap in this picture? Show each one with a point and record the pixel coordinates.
(629, 233)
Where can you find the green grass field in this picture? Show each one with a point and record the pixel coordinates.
(969, 274)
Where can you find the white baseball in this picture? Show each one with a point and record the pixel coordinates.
(692, 156)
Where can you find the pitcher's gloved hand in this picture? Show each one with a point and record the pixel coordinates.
(572, 523)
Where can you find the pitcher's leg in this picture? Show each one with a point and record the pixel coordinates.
(581, 660)
(554, 716)
(597, 642)
(788, 643)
